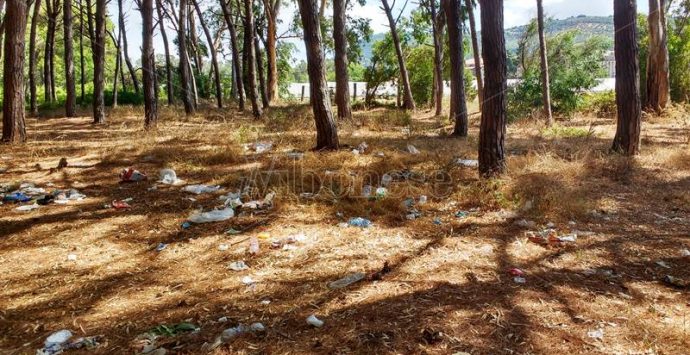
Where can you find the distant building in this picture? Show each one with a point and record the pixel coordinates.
(610, 64)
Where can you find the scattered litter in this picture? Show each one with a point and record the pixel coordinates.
(212, 216)
(380, 155)
(55, 343)
(468, 163)
(132, 175)
(265, 302)
(597, 334)
(169, 177)
(222, 319)
(238, 266)
(248, 280)
(231, 199)
(72, 257)
(361, 148)
(423, 200)
(663, 264)
(685, 253)
(119, 205)
(16, 197)
(186, 225)
(267, 202)
(254, 246)
(232, 231)
(519, 280)
(381, 192)
(675, 282)
(359, 222)
(172, 330)
(295, 155)
(386, 180)
(257, 327)
(347, 281)
(27, 208)
(550, 237)
(315, 322)
(516, 272)
(161, 247)
(259, 147)
(201, 189)
(412, 149)
(437, 221)
(366, 191)
(64, 197)
(412, 215)
(462, 214)
(223, 247)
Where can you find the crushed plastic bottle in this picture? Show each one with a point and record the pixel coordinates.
(412, 149)
(315, 322)
(359, 222)
(212, 216)
(347, 281)
(169, 177)
(468, 163)
(238, 266)
(386, 180)
(201, 189)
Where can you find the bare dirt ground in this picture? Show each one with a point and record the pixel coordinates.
(446, 287)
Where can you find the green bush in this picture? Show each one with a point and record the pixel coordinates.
(602, 104)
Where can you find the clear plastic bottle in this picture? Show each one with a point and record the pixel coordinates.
(253, 246)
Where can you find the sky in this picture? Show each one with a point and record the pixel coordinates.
(517, 12)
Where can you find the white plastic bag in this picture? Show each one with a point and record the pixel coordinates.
(212, 216)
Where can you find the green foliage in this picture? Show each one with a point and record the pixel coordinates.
(679, 54)
(573, 68)
(603, 104)
(284, 51)
(558, 131)
(383, 66)
(420, 64)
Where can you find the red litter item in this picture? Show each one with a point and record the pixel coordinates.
(516, 272)
(119, 205)
(132, 175)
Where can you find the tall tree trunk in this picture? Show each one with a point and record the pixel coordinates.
(125, 47)
(342, 77)
(493, 127)
(249, 55)
(148, 62)
(48, 77)
(326, 129)
(99, 63)
(118, 64)
(214, 55)
(272, 9)
(82, 62)
(168, 64)
(475, 51)
(71, 99)
(437, 34)
(627, 140)
(13, 126)
(185, 73)
(2, 26)
(260, 71)
(658, 88)
(408, 100)
(227, 14)
(458, 103)
(196, 53)
(545, 85)
(33, 58)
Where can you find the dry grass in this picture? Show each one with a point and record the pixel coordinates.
(447, 290)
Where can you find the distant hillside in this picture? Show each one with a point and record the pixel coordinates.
(587, 26)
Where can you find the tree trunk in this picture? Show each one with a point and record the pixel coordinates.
(214, 55)
(99, 63)
(272, 8)
(118, 64)
(408, 100)
(71, 99)
(125, 47)
(185, 73)
(82, 62)
(227, 14)
(342, 77)
(48, 76)
(148, 62)
(2, 25)
(475, 51)
(249, 55)
(326, 129)
(260, 71)
(627, 140)
(33, 58)
(13, 126)
(168, 65)
(493, 127)
(545, 86)
(458, 104)
(658, 88)
(437, 34)
(196, 53)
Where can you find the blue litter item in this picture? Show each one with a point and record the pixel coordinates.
(16, 197)
(186, 225)
(462, 214)
(437, 221)
(359, 222)
(161, 246)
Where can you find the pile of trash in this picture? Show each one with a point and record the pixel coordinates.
(550, 237)
(231, 202)
(63, 340)
(32, 197)
(259, 147)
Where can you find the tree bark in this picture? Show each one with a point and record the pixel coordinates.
(168, 64)
(408, 100)
(342, 77)
(272, 9)
(82, 62)
(658, 87)
(260, 71)
(118, 64)
(185, 72)
(458, 103)
(437, 34)
(475, 51)
(227, 14)
(99, 63)
(13, 126)
(33, 58)
(326, 129)
(249, 55)
(71, 99)
(214, 55)
(493, 126)
(125, 48)
(545, 85)
(148, 62)
(52, 12)
(627, 139)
